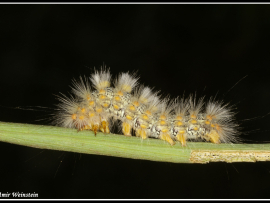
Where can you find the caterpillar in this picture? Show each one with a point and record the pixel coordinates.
(97, 102)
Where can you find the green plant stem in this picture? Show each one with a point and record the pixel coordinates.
(57, 138)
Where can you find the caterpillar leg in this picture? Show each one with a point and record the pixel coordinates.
(104, 127)
(95, 128)
(141, 133)
(138, 132)
(214, 137)
(182, 139)
(126, 128)
(166, 137)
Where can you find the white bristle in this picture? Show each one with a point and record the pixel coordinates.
(143, 94)
(101, 79)
(166, 106)
(181, 107)
(218, 110)
(195, 107)
(126, 82)
(82, 88)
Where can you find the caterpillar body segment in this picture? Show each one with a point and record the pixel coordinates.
(162, 125)
(102, 108)
(194, 117)
(144, 122)
(138, 102)
(123, 86)
(179, 120)
(103, 95)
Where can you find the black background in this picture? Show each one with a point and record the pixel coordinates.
(177, 48)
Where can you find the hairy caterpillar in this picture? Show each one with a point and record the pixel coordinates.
(96, 105)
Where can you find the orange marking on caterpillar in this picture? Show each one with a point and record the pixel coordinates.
(102, 97)
(102, 91)
(120, 93)
(117, 98)
(164, 130)
(88, 97)
(129, 117)
(192, 116)
(148, 112)
(105, 105)
(163, 122)
(92, 114)
(207, 122)
(136, 103)
(162, 117)
(99, 110)
(74, 116)
(91, 103)
(145, 117)
(143, 126)
(83, 110)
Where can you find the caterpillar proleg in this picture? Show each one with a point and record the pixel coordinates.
(96, 105)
